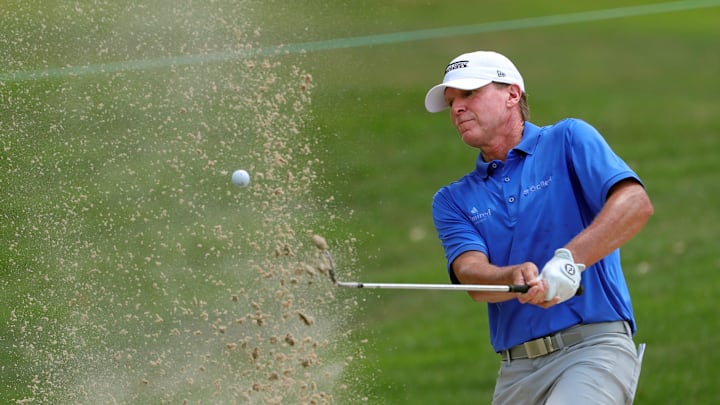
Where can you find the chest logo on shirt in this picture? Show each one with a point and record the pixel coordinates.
(537, 186)
(477, 216)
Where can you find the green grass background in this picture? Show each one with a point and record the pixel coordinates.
(648, 83)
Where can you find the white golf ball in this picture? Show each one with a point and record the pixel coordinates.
(241, 178)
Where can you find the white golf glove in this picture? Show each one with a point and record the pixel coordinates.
(562, 275)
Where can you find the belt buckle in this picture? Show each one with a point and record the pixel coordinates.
(539, 347)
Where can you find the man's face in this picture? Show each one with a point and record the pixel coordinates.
(479, 115)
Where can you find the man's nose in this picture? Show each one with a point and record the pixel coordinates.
(458, 107)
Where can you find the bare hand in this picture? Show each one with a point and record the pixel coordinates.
(527, 273)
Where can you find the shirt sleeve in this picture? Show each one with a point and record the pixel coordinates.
(455, 230)
(595, 165)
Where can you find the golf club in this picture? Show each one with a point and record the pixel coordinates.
(322, 245)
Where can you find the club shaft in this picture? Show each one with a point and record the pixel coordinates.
(441, 287)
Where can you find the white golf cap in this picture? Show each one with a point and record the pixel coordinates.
(471, 71)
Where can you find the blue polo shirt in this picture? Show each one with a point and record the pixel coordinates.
(550, 187)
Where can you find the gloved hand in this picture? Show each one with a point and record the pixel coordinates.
(562, 275)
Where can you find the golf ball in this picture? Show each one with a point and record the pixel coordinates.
(241, 178)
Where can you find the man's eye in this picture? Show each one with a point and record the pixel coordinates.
(463, 95)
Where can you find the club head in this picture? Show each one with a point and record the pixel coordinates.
(321, 244)
(331, 269)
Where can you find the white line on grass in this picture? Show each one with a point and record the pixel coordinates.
(342, 43)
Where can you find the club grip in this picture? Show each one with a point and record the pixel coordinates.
(518, 288)
(524, 288)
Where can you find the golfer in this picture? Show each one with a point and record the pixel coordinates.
(548, 206)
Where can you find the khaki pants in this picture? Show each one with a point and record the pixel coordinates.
(602, 369)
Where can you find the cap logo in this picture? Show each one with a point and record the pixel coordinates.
(500, 73)
(456, 65)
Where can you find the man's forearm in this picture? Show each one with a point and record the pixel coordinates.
(624, 214)
(474, 268)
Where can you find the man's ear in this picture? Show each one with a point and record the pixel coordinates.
(514, 94)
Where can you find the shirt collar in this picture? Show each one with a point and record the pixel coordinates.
(527, 145)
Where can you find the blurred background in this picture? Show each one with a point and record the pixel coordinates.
(134, 272)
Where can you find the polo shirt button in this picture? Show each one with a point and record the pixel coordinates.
(511, 199)
(507, 179)
(494, 165)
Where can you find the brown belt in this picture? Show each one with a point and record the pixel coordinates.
(568, 337)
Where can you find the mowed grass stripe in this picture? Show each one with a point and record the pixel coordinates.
(360, 41)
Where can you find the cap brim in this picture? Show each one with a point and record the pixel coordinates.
(435, 97)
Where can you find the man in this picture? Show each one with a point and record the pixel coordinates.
(542, 205)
